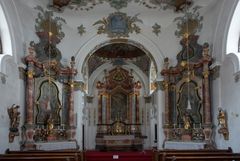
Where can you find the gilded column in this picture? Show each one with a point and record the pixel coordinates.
(71, 124)
(207, 109)
(29, 125)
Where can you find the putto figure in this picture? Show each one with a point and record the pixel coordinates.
(14, 117)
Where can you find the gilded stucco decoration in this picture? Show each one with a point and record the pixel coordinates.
(156, 29)
(189, 24)
(81, 29)
(49, 30)
(46, 23)
(118, 24)
(176, 5)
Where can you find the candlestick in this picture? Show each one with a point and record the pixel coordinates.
(174, 126)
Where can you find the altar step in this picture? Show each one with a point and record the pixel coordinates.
(119, 156)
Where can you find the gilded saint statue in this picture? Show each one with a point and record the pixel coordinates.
(221, 118)
(187, 121)
(50, 126)
(222, 122)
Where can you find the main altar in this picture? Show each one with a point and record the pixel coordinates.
(119, 126)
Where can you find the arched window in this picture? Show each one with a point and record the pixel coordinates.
(6, 44)
(233, 38)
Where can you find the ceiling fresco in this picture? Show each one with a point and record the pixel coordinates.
(119, 54)
(176, 5)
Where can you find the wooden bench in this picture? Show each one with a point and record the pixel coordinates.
(159, 155)
(205, 158)
(37, 158)
(76, 154)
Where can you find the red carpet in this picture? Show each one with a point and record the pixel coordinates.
(119, 156)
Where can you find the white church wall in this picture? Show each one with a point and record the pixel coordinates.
(230, 102)
(9, 95)
(78, 108)
(166, 44)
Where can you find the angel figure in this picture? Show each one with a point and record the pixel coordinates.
(221, 118)
(14, 116)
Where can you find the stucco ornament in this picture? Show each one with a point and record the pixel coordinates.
(118, 24)
(118, 4)
(189, 24)
(156, 29)
(81, 29)
(176, 5)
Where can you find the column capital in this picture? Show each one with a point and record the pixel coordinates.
(161, 85)
(89, 99)
(148, 99)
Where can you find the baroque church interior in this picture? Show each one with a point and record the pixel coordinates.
(119, 76)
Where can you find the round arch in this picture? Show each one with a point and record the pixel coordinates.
(98, 41)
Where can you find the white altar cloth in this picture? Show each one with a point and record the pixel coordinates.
(60, 145)
(118, 137)
(183, 145)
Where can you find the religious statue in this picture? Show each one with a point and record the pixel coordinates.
(50, 126)
(222, 122)
(14, 117)
(187, 121)
(221, 118)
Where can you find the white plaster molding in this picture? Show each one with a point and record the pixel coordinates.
(215, 64)
(3, 63)
(222, 27)
(235, 61)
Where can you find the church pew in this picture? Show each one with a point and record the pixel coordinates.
(205, 158)
(37, 158)
(79, 155)
(159, 154)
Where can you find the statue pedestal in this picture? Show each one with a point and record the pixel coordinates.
(186, 137)
(183, 145)
(51, 138)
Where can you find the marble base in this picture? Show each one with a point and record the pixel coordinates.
(60, 145)
(183, 145)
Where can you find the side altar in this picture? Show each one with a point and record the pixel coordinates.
(187, 117)
(50, 86)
